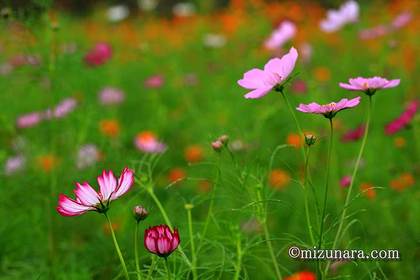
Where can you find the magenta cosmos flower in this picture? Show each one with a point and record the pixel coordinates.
(404, 119)
(99, 54)
(87, 199)
(275, 73)
(160, 240)
(329, 110)
(369, 85)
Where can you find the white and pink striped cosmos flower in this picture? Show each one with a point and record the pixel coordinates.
(281, 35)
(329, 110)
(369, 85)
(275, 73)
(87, 199)
(160, 240)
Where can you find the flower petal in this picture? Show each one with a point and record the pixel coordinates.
(258, 93)
(392, 83)
(125, 182)
(252, 79)
(107, 184)
(69, 207)
(86, 194)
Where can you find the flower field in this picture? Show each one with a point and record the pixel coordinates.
(206, 139)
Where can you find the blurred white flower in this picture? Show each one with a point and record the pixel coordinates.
(117, 13)
(14, 164)
(87, 156)
(110, 96)
(148, 5)
(347, 13)
(212, 40)
(183, 9)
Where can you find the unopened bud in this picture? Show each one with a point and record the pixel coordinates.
(224, 139)
(140, 213)
(217, 145)
(310, 139)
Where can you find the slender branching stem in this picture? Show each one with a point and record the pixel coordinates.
(136, 251)
(193, 252)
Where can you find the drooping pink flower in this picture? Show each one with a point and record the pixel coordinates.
(29, 120)
(345, 181)
(329, 110)
(110, 96)
(369, 85)
(347, 13)
(14, 164)
(147, 142)
(284, 32)
(275, 73)
(155, 81)
(160, 240)
(87, 199)
(99, 54)
(404, 119)
(354, 134)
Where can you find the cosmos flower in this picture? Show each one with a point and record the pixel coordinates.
(336, 19)
(212, 40)
(354, 134)
(193, 153)
(303, 275)
(147, 142)
(14, 164)
(183, 9)
(369, 85)
(155, 81)
(345, 181)
(275, 73)
(404, 119)
(109, 128)
(87, 156)
(374, 32)
(117, 13)
(279, 178)
(87, 199)
(110, 96)
(99, 54)
(402, 20)
(29, 120)
(284, 32)
(62, 109)
(160, 240)
(329, 110)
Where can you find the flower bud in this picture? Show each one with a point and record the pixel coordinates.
(217, 145)
(224, 139)
(140, 213)
(310, 139)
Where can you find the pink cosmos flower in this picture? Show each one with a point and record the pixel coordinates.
(155, 81)
(299, 86)
(404, 119)
(374, 32)
(160, 240)
(401, 20)
(99, 54)
(329, 110)
(110, 96)
(275, 73)
(62, 109)
(29, 120)
(147, 142)
(281, 35)
(369, 85)
(14, 164)
(345, 181)
(87, 199)
(347, 13)
(354, 134)
(87, 156)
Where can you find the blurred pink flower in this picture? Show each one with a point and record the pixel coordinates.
(87, 199)
(329, 110)
(87, 156)
(374, 32)
(155, 81)
(110, 95)
(99, 54)
(305, 50)
(299, 86)
(274, 74)
(160, 240)
(404, 119)
(369, 85)
(347, 13)
(345, 181)
(147, 142)
(284, 32)
(62, 109)
(29, 120)
(14, 164)
(354, 135)
(402, 20)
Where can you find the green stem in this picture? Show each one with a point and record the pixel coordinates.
(305, 186)
(194, 258)
(168, 272)
(136, 251)
(117, 248)
(327, 180)
(299, 128)
(167, 221)
(353, 177)
(151, 268)
(239, 261)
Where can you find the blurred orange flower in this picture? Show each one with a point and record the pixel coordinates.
(279, 178)
(115, 226)
(294, 140)
(402, 182)
(399, 142)
(303, 275)
(204, 186)
(176, 174)
(322, 74)
(193, 153)
(368, 190)
(110, 128)
(47, 162)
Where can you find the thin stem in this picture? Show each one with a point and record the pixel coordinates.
(117, 248)
(353, 177)
(167, 221)
(151, 268)
(193, 255)
(168, 272)
(305, 186)
(299, 128)
(136, 251)
(239, 260)
(327, 180)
